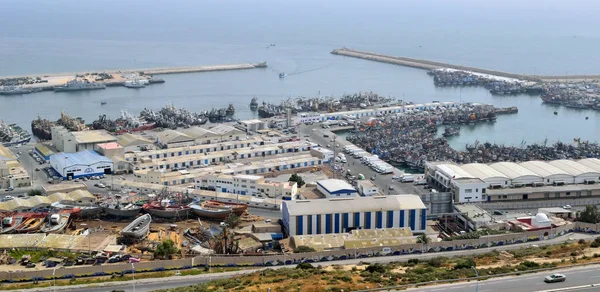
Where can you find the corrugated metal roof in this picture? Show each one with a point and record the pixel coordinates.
(454, 171)
(513, 170)
(129, 139)
(542, 168)
(93, 136)
(5, 152)
(482, 171)
(44, 201)
(350, 205)
(86, 157)
(572, 167)
(593, 163)
(172, 136)
(334, 185)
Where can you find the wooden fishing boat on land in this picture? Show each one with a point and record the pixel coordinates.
(138, 228)
(10, 223)
(208, 212)
(32, 224)
(56, 223)
(237, 208)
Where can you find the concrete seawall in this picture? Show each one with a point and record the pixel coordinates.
(425, 64)
(154, 71)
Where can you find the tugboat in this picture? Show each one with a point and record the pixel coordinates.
(451, 131)
(254, 104)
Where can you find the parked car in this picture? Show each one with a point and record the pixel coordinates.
(568, 207)
(555, 278)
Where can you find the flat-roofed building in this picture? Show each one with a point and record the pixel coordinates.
(72, 142)
(326, 216)
(253, 125)
(550, 173)
(334, 188)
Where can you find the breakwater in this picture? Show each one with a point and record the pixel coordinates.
(426, 64)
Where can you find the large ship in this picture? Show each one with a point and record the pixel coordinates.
(126, 123)
(13, 135)
(171, 117)
(42, 128)
(222, 115)
(17, 90)
(78, 85)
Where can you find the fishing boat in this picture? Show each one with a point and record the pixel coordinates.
(205, 211)
(134, 84)
(124, 210)
(32, 224)
(57, 222)
(138, 228)
(164, 209)
(9, 223)
(451, 131)
(254, 103)
(237, 208)
(80, 210)
(102, 102)
(282, 75)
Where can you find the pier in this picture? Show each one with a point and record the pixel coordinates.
(426, 64)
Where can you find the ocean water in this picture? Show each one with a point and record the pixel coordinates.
(534, 37)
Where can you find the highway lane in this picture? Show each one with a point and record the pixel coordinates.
(172, 282)
(578, 276)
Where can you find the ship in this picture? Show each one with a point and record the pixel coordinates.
(221, 115)
(266, 111)
(126, 123)
(122, 210)
(164, 209)
(171, 117)
(138, 228)
(102, 102)
(32, 224)
(230, 111)
(237, 208)
(11, 222)
(42, 128)
(282, 75)
(254, 103)
(207, 212)
(12, 134)
(451, 131)
(57, 222)
(550, 99)
(134, 84)
(17, 90)
(78, 85)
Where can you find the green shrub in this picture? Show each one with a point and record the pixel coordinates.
(437, 262)
(465, 264)
(573, 254)
(595, 244)
(413, 261)
(581, 241)
(376, 268)
(596, 255)
(305, 266)
(530, 264)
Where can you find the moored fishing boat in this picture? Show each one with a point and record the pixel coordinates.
(205, 211)
(164, 209)
(138, 228)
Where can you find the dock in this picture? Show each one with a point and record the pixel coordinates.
(426, 64)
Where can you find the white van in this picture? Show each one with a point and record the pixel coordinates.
(407, 178)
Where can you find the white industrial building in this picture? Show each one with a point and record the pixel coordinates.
(519, 175)
(465, 186)
(550, 173)
(71, 142)
(593, 163)
(367, 188)
(247, 185)
(326, 216)
(487, 174)
(253, 125)
(335, 188)
(85, 163)
(581, 173)
(324, 154)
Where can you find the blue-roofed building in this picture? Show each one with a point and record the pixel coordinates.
(333, 188)
(80, 164)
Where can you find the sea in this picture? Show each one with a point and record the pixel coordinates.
(550, 37)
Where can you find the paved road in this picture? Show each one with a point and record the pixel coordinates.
(578, 276)
(172, 282)
(315, 133)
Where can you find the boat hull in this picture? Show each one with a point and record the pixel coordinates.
(215, 214)
(170, 213)
(122, 213)
(138, 228)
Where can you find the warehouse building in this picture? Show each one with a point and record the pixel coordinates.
(172, 138)
(43, 151)
(71, 142)
(326, 216)
(335, 188)
(247, 185)
(253, 125)
(12, 173)
(85, 163)
(132, 142)
(452, 178)
(549, 173)
(367, 188)
(581, 173)
(519, 175)
(325, 154)
(487, 174)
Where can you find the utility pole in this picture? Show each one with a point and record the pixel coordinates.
(334, 156)
(477, 277)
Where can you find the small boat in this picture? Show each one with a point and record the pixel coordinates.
(32, 224)
(254, 104)
(134, 84)
(58, 222)
(451, 131)
(237, 208)
(9, 223)
(81, 210)
(555, 112)
(138, 228)
(208, 212)
(125, 210)
(102, 102)
(282, 75)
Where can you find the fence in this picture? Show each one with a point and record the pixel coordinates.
(292, 259)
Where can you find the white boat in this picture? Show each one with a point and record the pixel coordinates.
(135, 84)
(57, 223)
(138, 228)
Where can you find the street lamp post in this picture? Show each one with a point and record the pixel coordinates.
(54, 279)
(477, 279)
(133, 275)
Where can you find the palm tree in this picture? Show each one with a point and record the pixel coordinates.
(233, 221)
(424, 239)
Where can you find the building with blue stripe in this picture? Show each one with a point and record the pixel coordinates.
(341, 215)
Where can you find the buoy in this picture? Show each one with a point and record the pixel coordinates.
(587, 118)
